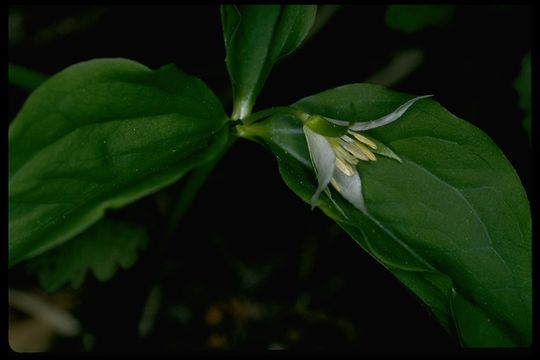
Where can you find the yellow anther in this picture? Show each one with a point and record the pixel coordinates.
(334, 182)
(364, 139)
(356, 151)
(366, 151)
(344, 167)
(341, 153)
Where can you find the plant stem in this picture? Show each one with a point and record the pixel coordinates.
(190, 190)
(272, 111)
(241, 109)
(24, 78)
(183, 201)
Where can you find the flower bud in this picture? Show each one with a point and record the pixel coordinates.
(322, 126)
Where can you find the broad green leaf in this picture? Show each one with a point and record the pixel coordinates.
(256, 36)
(98, 135)
(522, 84)
(452, 222)
(104, 247)
(412, 18)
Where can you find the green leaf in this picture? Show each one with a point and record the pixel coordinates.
(412, 18)
(25, 78)
(452, 222)
(101, 134)
(102, 248)
(256, 36)
(522, 84)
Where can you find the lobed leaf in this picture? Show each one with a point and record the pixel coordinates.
(105, 246)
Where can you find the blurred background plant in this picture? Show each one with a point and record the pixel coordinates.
(287, 278)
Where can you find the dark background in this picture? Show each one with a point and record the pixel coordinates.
(249, 249)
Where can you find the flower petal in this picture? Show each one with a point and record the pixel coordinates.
(323, 159)
(393, 116)
(350, 188)
(329, 194)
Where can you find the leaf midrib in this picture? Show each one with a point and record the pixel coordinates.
(90, 124)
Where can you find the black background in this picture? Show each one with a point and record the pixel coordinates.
(244, 213)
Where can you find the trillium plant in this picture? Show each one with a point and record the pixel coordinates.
(104, 133)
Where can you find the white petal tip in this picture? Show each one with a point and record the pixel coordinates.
(314, 201)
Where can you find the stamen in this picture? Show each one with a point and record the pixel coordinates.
(353, 161)
(344, 167)
(345, 155)
(334, 182)
(356, 151)
(364, 139)
(359, 147)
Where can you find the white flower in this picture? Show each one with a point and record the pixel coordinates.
(336, 147)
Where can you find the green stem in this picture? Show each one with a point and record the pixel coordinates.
(241, 109)
(190, 190)
(24, 78)
(272, 111)
(185, 198)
